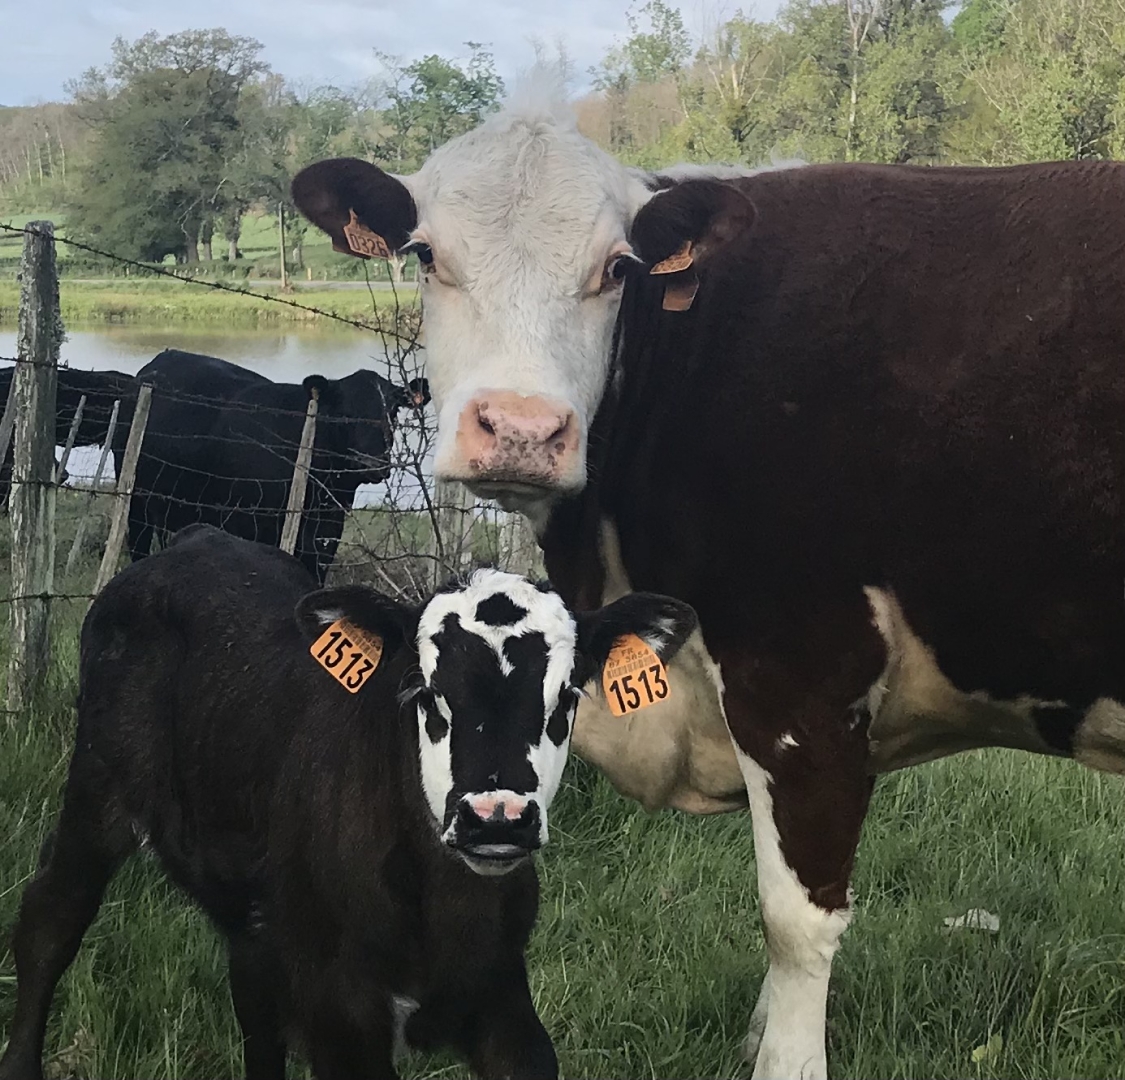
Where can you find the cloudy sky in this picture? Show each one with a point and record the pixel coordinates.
(48, 42)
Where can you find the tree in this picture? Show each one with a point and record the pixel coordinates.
(978, 28)
(1056, 85)
(431, 101)
(167, 118)
(648, 55)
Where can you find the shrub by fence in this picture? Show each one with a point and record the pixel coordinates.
(403, 536)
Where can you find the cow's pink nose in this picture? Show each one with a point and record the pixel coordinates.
(497, 807)
(502, 435)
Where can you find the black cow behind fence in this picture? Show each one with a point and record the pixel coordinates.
(100, 388)
(188, 393)
(222, 442)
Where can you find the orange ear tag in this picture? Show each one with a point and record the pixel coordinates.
(350, 655)
(681, 260)
(633, 677)
(680, 296)
(362, 241)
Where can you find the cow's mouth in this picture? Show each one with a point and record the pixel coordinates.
(519, 495)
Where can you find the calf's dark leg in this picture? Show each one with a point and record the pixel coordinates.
(341, 1048)
(89, 844)
(140, 526)
(506, 1040)
(254, 978)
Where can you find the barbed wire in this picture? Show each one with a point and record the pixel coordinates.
(406, 542)
(161, 271)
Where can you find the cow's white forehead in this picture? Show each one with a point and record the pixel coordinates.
(544, 613)
(525, 177)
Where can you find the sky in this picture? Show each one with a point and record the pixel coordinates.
(321, 41)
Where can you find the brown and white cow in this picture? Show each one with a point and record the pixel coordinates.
(869, 421)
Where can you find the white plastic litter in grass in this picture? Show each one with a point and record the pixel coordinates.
(974, 919)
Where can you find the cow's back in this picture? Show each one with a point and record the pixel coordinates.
(905, 377)
(189, 704)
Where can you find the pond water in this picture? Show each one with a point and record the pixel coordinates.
(282, 354)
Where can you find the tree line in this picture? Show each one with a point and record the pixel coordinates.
(165, 148)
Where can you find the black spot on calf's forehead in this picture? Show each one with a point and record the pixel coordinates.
(499, 610)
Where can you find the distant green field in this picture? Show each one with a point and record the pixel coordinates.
(168, 301)
(258, 244)
(648, 953)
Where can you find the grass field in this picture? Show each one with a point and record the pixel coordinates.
(167, 301)
(258, 244)
(648, 954)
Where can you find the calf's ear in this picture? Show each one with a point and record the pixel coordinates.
(365, 211)
(394, 622)
(662, 623)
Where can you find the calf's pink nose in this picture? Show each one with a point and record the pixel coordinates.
(495, 807)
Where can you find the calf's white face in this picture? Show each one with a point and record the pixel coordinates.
(499, 665)
(525, 231)
(495, 709)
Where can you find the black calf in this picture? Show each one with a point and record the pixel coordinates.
(340, 841)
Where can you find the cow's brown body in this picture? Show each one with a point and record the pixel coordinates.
(908, 379)
(881, 452)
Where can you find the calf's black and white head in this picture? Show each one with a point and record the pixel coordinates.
(500, 666)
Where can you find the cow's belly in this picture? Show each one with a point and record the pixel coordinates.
(916, 714)
(675, 753)
(678, 754)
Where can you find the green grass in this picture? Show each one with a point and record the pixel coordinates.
(148, 300)
(648, 954)
(258, 245)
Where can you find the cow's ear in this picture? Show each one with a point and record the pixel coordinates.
(662, 623)
(395, 623)
(325, 388)
(689, 222)
(418, 393)
(364, 210)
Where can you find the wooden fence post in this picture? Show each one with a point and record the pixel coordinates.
(34, 385)
(453, 548)
(295, 507)
(124, 488)
(80, 532)
(71, 435)
(519, 550)
(8, 422)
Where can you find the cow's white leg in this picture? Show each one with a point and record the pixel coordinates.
(757, 1027)
(802, 938)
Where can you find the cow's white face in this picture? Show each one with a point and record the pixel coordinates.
(526, 232)
(525, 224)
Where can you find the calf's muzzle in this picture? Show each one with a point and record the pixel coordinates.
(496, 832)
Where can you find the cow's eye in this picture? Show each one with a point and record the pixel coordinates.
(617, 268)
(424, 252)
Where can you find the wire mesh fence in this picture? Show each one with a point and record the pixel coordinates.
(223, 445)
